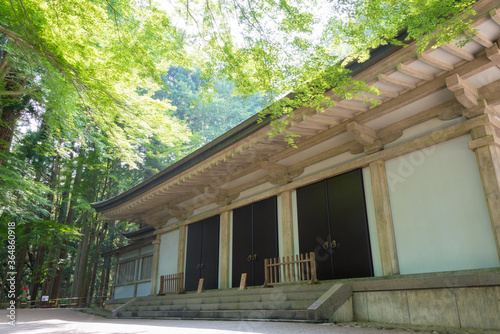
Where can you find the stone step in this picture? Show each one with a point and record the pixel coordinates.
(237, 298)
(281, 302)
(274, 305)
(225, 314)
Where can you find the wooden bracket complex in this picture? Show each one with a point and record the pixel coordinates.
(179, 212)
(220, 196)
(281, 175)
(366, 136)
(465, 92)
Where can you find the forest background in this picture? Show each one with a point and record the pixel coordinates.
(98, 95)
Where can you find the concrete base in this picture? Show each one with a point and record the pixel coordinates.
(471, 301)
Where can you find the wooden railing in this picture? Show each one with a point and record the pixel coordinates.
(173, 283)
(65, 302)
(287, 270)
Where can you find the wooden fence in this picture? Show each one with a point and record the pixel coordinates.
(65, 302)
(287, 270)
(173, 283)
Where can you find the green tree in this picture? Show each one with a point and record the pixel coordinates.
(208, 115)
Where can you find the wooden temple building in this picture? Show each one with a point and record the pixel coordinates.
(399, 203)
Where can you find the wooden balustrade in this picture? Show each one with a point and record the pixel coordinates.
(173, 283)
(287, 270)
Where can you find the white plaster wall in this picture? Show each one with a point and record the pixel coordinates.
(169, 248)
(441, 221)
(143, 289)
(124, 291)
(372, 223)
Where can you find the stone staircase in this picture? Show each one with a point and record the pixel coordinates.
(297, 302)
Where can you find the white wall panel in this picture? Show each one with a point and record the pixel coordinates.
(124, 291)
(143, 289)
(169, 248)
(441, 221)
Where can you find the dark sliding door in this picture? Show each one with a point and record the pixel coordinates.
(333, 224)
(202, 254)
(255, 238)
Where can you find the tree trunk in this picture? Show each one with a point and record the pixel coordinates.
(66, 216)
(37, 272)
(81, 263)
(20, 261)
(68, 278)
(92, 283)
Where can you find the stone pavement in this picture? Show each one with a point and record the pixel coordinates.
(56, 321)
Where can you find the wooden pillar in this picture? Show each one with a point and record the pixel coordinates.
(156, 262)
(225, 248)
(383, 215)
(287, 223)
(181, 255)
(486, 145)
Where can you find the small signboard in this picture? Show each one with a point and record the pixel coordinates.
(243, 282)
(45, 298)
(200, 286)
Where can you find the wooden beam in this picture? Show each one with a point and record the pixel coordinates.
(388, 93)
(225, 249)
(488, 160)
(458, 52)
(323, 119)
(480, 108)
(495, 15)
(338, 112)
(396, 82)
(301, 131)
(383, 217)
(181, 251)
(435, 62)
(287, 223)
(311, 125)
(353, 107)
(414, 73)
(483, 40)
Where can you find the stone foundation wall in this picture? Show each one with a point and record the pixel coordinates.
(468, 307)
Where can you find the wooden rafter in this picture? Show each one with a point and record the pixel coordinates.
(435, 62)
(414, 73)
(396, 82)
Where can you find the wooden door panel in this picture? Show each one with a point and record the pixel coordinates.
(193, 255)
(314, 234)
(242, 244)
(265, 236)
(349, 226)
(210, 253)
